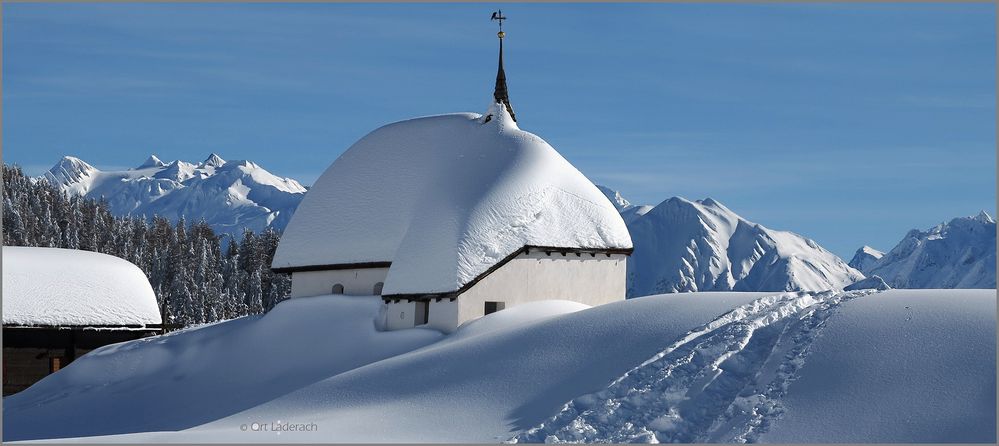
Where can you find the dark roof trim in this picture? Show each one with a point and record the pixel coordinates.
(335, 266)
(525, 250)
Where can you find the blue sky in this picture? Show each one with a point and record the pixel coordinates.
(848, 123)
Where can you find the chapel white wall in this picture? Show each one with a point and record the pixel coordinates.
(357, 282)
(591, 280)
(403, 314)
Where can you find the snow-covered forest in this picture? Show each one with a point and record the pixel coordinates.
(198, 276)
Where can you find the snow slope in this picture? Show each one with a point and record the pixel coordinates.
(683, 245)
(903, 366)
(228, 195)
(68, 287)
(864, 258)
(185, 378)
(957, 254)
(750, 366)
(484, 384)
(446, 198)
(899, 366)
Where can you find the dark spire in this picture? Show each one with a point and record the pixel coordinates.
(501, 95)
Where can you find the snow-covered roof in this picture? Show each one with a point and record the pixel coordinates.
(444, 198)
(67, 287)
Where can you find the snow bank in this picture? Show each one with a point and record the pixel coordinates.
(903, 366)
(874, 282)
(66, 287)
(445, 198)
(892, 367)
(864, 366)
(194, 376)
(518, 315)
(482, 388)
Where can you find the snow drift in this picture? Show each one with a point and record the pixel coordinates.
(229, 195)
(68, 287)
(859, 367)
(186, 378)
(446, 197)
(957, 254)
(899, 365)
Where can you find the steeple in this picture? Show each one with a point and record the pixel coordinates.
(500, 94)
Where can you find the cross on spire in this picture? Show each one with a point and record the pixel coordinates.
(500, 94)
(498, 16)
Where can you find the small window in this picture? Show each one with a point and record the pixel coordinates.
(338, 289)
(422, 312)
(492, 307)
(55, 363)
(378, 288)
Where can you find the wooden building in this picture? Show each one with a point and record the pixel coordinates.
(59, 304)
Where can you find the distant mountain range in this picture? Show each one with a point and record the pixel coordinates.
(229, 195)
(680, 245)
(683, 245)
(958, 254)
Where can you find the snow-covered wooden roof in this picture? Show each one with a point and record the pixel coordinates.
(67, 287)
(444, 198)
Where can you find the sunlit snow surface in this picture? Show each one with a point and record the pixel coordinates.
(863, 366)
(69, 287)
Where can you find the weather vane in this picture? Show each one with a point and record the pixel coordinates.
(498, 16)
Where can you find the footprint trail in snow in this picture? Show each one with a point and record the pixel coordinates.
(721, 382)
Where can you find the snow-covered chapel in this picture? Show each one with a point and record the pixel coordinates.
(451, 217)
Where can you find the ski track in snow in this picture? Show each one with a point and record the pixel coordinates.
(721, 382)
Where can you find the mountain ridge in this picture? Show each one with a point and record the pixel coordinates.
(686, 245)
(959, 253)
(229, 195)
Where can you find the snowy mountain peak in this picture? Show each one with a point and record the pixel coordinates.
(152, 161)
(229, 196)
(683, 245)
(177, 171)
(245, 163)
(958, 254)
(213, 160)
(628, 211)
(984, 217)
(70, 170)
(865, 257)
(871, 251)
(615, 197)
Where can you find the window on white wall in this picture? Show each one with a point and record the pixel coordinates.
(492, 307)
(338, 289)
(378, 288)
